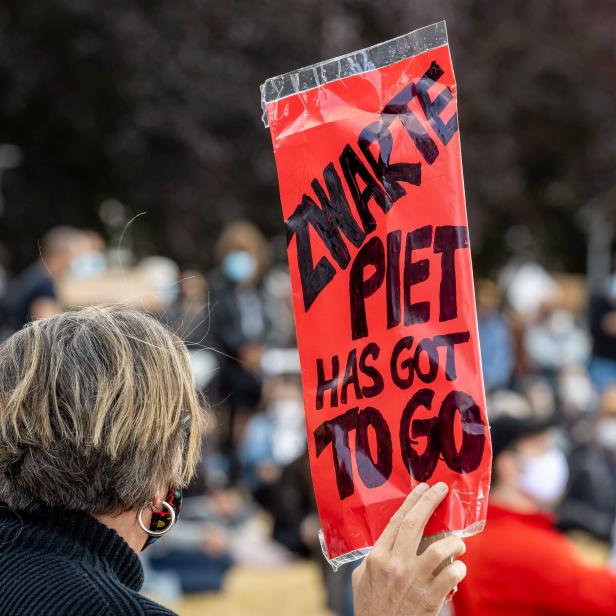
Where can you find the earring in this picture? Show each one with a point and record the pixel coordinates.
(158, 533)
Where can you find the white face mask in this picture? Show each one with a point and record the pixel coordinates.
(289, 432)
(560, 322)
(544, 478)
(606, 433)
(577, 392)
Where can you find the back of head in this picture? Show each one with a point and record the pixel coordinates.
(98, 412)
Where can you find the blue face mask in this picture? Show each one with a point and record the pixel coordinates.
(239, 266)
(88, 265)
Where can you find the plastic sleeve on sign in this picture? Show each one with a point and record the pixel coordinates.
(354, 555)
(344, 559)
(367, 151)
(354, 63)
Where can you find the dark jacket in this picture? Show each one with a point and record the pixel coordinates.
(604, 344)
(68, 564)
(590, 501)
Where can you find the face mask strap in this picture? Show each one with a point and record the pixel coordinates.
(168, 527)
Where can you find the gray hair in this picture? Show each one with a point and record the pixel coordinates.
(98, 412)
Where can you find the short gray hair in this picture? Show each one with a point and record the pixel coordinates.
(98, 412)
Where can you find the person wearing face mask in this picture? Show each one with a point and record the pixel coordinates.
(555, 341)
(521, 565)
(498, 354)
(91, 261)
(33, 294)
(273, 439)
(590, 503)
(602, 317)
(240, 325)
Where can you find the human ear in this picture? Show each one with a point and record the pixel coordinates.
(157, 501)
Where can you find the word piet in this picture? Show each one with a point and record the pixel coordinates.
(384, 261)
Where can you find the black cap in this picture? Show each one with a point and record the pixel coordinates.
(507, 430)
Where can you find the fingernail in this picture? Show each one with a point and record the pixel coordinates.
(421, 488)
(441, 487)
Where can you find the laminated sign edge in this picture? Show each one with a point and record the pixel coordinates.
(353, 63)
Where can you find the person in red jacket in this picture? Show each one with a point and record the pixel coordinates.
(521, 565)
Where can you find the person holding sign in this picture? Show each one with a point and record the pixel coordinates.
(100, 426)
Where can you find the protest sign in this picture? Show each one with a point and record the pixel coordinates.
(367, 151)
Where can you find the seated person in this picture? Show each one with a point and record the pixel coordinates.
(521, 565)
(590, 502)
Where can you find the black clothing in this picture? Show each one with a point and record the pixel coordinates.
(293, 503)
(57, 563)
(191, 325)
(32, 284)
(604, 344)
(238, 315)
(238, 318)
(590, 501)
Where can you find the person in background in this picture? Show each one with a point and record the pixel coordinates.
(188, 314)
(539, 391)
(277, 287)
(240, 324)
(575, 393)
(554, 341)
(576, 401)
(590, 502)
(91, 259)
(520, 565)
(497, 351)
(33, 295)
(296, 526)
(273, 439)
(162, 275)
(602, 317)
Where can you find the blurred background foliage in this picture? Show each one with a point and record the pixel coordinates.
(156, 105)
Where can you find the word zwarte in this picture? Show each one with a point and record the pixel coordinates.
(334, 217)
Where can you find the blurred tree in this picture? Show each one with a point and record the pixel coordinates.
(157, 104)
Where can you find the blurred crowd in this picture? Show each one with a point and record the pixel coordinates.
(548, 347)
(549, 353)
(548, 350)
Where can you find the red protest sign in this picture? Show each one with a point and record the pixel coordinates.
(369, 169)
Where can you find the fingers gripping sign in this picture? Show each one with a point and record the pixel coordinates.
(396, 576)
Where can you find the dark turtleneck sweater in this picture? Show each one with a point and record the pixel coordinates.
(68, 564)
